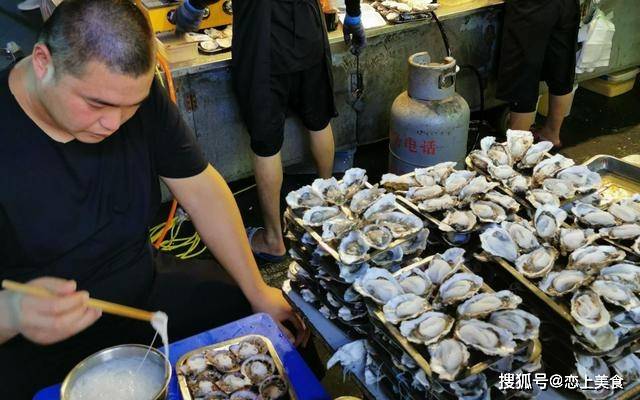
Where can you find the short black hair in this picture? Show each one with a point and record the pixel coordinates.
(114, 32)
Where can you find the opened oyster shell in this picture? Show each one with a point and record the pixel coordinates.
(258, 367)
(439, 172)
(561, 188)
(627, 274)
(616, 293)
(353, 248)
(316, 216)
(535, 154)
(442, 266)
(448, 358)
(457, 180)
(497, 152)
(379, 285)
(272, 388)
(622, 232)
(401, 225)
(522, 233)
(382, 205)
(591, 259)
(443, 202)
(378, 237)
(233, 382)
(364, 198)
(549, 167)
(518, 183)
(504, 201)
(330, 190)
(572, 239)
(518, 142)
(388, 257)
(540, 197)
(352, 181)
(249, 347)
(459, 287)
(480, 160)
(487, 211)
(563, 282)
(336, 228)
(501, 172)
(593, 216)
(497, 242)
(428, 328)
(521, 324)
(350, 273)
(582, 178)
(485, 303)
(305, 197)
(599, 339)
(417, 194)
(588, 369)
(537, 263)
(395, 182)
(239, 395)
(223, 360)
(458, 221)
(404, 306)
(626, 210)
(588, 310)
(548, 220)
(417, 243)
(417, 282)
(476, 186)
(485, 337)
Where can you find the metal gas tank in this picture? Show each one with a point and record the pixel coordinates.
(430, 121)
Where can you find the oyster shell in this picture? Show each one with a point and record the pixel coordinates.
(233, 382)
(518, 183)
(459, 287)
(404, 306)
(458, 221)
(540, 197)
(377, 237)
(628, 368)
(537, 263)
(305, 197)
(223, 360)
(501, 172)
(504, 201)
(535, 154)
(582, 178)
(480, 160)
(330, 190)
(621, 232)
(272, 388)
(416, 281)
(485, 303)
(588, 369)
(497, 152)
(336, 228)
(258, 367)
(549, 167)
(439, 172)
(248, 347)
(624, 213)
(518, 142)
(382, 205)
(350, 273)
(476, 186)
(417, 194)
(457, 180)
(497, 242)
(521, 324)
(487, 211)
(379, 285)
(616, 293)
(627, 274)
(395, 182)
(442, 266)
(364, 198)
(401, 225)
(548, 220)
(443, 202)
(593, 216)
(448, 358)
(591, 259)
(352, 181)
(417, 243)
(522, 233)
(388, 257)
(353, 248)
(239, 395)
(563, 282)
(601, 339)
(195, 364)
(485, 337)
(316, 216)
(427, 328)
(347, 314)
(561, 188)
(572, 239)
(473, 387)
(588, 310)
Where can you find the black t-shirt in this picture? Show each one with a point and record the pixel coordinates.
(82, 211)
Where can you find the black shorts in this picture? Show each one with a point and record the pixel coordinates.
(307, 93)
(539, 43)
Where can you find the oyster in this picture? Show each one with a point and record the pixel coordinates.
(591, 259)
(239, 395)
(388, 257)
(537, 263)
(473, 387)
(627, 274)
(330, 190)
(593, 216)
(248, 347)
(487, 211)
(352, 181)
(572, 239)
(258, 367)
(404, 306)
(417, 243)
(535, 154)
(540, 197)
(459, 287)
(485, 303)
(616, 293)
(305, 197)
(548, 220)
(561, 188)
(442, 266)
(588, 369)
(336, 228)
(395, 182)
(563, 282)
(588, 310)
(518, 142)
(350, 273)
(223, 360)
(439, 172)
(501, 172)
(416, 281)
(628, 368)
(582, 178)
(378, 284)
(480, 160)
(272, 388)
(521, 324)
(316, 216)
(457, 180)
(233, 382)
(518, 183)
(376, 236)
(504, 201)
(443, 202)
(401, 225)
(384, 204)
(485, 337)
(458, 221)
(624, 213)
(497, 152)
(364, 198)
(347, 314)
(417, 194)
(476, 186)
(353, 248)
(194, 365)
(601, 339)
(622, 232)
(522, 233)
(549, 167)
(448, 358)
(497, 242)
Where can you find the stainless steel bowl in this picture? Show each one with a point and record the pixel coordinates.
(118, 352)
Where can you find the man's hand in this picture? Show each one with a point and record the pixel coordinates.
(354, 33)
(271, 301)
(187, 17)
(51, 320)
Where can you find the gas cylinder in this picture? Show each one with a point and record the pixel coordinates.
(430, 121)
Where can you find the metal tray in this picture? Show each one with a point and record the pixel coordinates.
(622, 177)
(182, 382)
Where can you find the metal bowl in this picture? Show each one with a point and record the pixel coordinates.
(118, 352)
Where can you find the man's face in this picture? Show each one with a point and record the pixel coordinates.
(93, 106)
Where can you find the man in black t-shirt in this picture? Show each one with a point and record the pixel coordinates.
(86, 135)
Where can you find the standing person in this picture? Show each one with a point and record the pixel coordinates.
(281, 61)
(539, 43)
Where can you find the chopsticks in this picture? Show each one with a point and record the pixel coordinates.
(106, 306)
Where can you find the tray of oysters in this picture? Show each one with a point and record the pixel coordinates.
(243, 368)
(446, 318)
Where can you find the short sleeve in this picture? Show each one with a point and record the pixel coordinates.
(175, 149)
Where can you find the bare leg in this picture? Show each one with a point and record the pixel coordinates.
(268, 173)
(323, 149)
(558, 108)
(521, 121)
